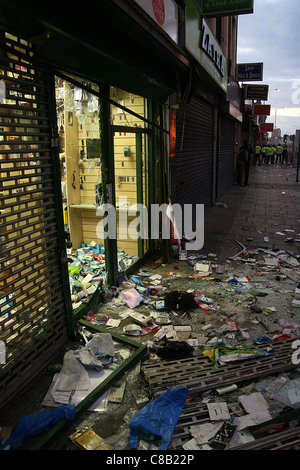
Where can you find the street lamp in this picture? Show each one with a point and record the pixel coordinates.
(274, 89)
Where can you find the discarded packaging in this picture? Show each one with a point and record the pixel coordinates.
(87, 439)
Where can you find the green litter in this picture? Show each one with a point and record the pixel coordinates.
(222, 354)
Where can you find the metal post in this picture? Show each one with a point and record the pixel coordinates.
(108, 181)
(139, 188)
(59, 204)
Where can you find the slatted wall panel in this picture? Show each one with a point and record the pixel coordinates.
(194, 154)
(225, 170)
(32, 308)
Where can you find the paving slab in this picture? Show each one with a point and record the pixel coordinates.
(268, 205)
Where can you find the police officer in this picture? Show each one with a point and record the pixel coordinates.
(279, 150)
(269, 153)
(273, 154)
(258, 154)
(263, 151)
(285, 155)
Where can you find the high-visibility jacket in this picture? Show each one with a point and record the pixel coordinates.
(269, 152)
(258, 149)
(273, 150)
(279, 150)
(264, 149)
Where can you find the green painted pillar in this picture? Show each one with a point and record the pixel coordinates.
(108, 183)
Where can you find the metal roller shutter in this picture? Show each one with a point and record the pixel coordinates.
(225, 167)
(33, 324)
(194, 154)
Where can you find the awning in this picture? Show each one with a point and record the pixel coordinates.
(101, 41)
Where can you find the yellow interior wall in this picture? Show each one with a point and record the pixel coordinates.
(83, 222)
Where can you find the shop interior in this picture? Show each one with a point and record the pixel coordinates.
(81, 164)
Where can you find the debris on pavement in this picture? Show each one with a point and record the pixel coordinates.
(228, 311)
(87, 439)
(227, 316)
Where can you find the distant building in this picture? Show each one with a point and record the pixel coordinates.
(297, 141)
(276, 136)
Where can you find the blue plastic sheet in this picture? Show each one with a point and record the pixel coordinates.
(31, 425)
(262, 340)
(158, 418)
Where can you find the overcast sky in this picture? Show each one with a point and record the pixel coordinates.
(272, 35)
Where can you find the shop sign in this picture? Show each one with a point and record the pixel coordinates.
(204, 47)
(234, 99)
(257, 92)
(250, 72)
(164, 13)
(227, 7)
(210, 46)
(262, 109)
(266, 127)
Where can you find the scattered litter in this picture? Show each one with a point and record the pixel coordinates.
(198, 308)
(113, 323)
(223, 437)
(289, 394)
(191, 445)
(224, 390)
(132, 330)
(116, 394)
(132, 297)
(203, 433)
(241, 437)
(221, 355)
(87, 439)
(251, 419)
(179, 301)
(218, 411)
(254, 402)
(173, 350)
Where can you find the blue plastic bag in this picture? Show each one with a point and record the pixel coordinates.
(31, 425)
(158, 418)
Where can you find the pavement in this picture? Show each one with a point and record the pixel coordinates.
(264, 215)
(270, 204)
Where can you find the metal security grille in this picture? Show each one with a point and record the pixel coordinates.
(196, 413)
(33, 323)
(194, 154)
(199, 375)
(225, 169)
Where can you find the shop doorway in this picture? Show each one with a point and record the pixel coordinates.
(131, 157)
(94, 175)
